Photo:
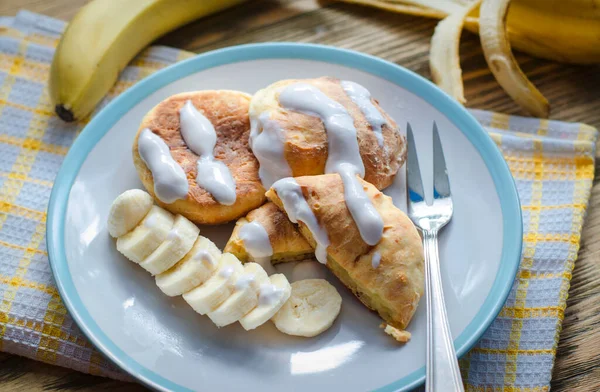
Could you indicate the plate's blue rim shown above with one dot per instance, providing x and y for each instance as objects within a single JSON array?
[{"x": 457, "y": 114}]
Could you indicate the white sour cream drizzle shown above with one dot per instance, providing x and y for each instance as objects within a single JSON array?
[
  {"x": 343, "y": 153},
  {"x": 362, "y": 98},
  {"x": 256, "y": 240},
  {"x": 365, "y": 215},
  {"x": 267, "y": 143},
  {"x": 200, "y": 136},
  {"x": 170, "y": 182},
  {"x": 298, "y": 209},
  {"x": 269, "y": 294},
  {"x": 376, "y": 259}
]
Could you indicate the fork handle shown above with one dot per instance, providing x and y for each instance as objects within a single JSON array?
[{"x": 443, "y": 373}]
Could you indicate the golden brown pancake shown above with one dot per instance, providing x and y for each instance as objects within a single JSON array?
[
  {"x": 305, "y": 147},
  {"x": 287, "y": 242},
  {"x": 393, "y": 288},
  {"x": 228, "y": 112}
]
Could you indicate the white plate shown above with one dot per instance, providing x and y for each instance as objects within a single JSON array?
[{"x": 162, "y": 342}]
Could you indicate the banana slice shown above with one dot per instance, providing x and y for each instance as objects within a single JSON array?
[
  {"x": 312, "y": 308},
  {"x": 147, "y": 236},
  {"x": 193, "y": 270},
  {"x": 128, "y": 209},
  {"x": 218, "y": 288},
  {"x": 179, "y": 241},
  {"x": 244, "y": 298},
  {"x": 272, "y": 296}
]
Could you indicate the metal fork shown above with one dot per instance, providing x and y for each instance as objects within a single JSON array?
[{"x": 443, "y": 373}]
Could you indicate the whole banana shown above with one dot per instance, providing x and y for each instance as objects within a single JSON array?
[{"x": 103, "y": 38}]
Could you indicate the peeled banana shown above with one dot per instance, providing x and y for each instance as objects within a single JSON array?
[
  {"x": 103, "y": 38},
  {"x": 562, "y": 30}
]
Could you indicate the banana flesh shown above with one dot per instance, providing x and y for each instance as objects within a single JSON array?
[
  {"x": 193, "y": 270},
  {"x": 178, "y": 243},
  {"x": 186, "y": 263},
  {"x": 244, "y": 299},
  {"x": 280, "y": 291},
  {"x": 218, "y": 288},
  {"x": 311, "y": 309},
  {"x": 127, "y": 211},
  {"x": 147, "y": 236},
  {"x": 103, "y": 37}
]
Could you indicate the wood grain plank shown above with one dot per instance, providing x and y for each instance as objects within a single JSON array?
[
  {"x": 577, "y": 366},
  {"x": 573, "y": 91},
  {"x": 21, "y": 374}
]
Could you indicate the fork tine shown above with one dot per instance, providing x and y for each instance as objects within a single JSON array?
[
  {"x": 441, "y": 185},
  {"x": 414, "y": 184}
]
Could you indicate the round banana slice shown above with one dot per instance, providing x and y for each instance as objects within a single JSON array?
[
  {"x": 272, "y": 296},
  {"x": 147, "y": 236},
  {"x": 128, "y": 209},
  {"x": 194, "y": 269},
  {"x": 311, "y": 309},
  {"x": 179, "y": 241},
  {"x": 244, "y": 297},
  {"x": 218, "y": 288}
]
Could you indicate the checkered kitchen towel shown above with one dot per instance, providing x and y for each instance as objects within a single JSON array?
[{"x": 552, "y": 162}]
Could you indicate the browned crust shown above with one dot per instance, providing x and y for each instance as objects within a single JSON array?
[
  {"x": 394, "y": 288},
  {"x": 287, "y": 242},
  {"x": 398, "y": 334},
  {"x": 228, "y": 112},
  {"x": 306, "y": 139}
]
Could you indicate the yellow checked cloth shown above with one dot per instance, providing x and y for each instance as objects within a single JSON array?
[
  {"x": 553, "y": 166},
  {"x": 552, "y": 162},
  {"x": 33, "y": 142}
]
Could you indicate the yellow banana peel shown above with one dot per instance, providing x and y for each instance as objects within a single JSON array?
[
  {"x": 444, "y": 59},
  {"x": 496, "y": 48}
]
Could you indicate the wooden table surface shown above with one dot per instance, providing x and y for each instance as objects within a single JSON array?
[{"x": 574, "y": 93}]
